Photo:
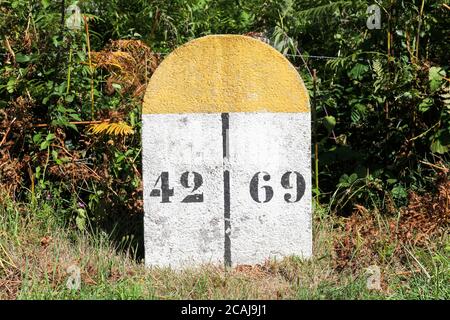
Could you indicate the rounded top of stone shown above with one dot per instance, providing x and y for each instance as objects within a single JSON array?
[{"x": 225, "y": 73}]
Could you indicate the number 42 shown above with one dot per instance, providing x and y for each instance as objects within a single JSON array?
[{"x": 165, "y": 192}]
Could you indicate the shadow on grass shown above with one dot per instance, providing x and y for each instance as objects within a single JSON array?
[{"x": 124, "y": 228}]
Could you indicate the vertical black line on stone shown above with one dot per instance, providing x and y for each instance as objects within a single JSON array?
[{"x": 226, "y": 187}]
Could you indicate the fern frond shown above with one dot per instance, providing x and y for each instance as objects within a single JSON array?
[
  {"x": 378, "y": 68},
  {"x": 120, "y": 128},
  {"x": 337, "y": 62},
  {"x": 322, "y": 11},
  {"x": 446, "y": 97},
  {"x": 98, "y": 128},
  {"x": 379, "y": 74},
  {"x": 116, "y": 129}
]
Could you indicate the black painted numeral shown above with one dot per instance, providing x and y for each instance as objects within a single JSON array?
[
  {"x": 198, "y": 181},
  {"x": 254, "y": 187},
  {"x": 259, "y": 190},
  {"x": 165, "y": 192},
  {"x": 300, "y": 183}
]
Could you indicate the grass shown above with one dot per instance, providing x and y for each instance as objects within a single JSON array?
[{"x": 36, "y": 250}]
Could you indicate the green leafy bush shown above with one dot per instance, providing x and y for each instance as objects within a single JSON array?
[{"x": 382, "y": 107}]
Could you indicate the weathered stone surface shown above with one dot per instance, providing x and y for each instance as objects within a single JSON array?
[
  {"x": 226, "y": 156},
  {"x": 225, "y": 73}
]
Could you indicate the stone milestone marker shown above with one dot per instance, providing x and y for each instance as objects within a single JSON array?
[{"x": 226, "y": 156}]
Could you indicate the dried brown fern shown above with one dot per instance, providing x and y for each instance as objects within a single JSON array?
[{"x": 130, "y": 64}]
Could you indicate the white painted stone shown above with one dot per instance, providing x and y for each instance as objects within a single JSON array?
[
  {"x": 274, "y": 143},
  {"x": 180, "y": 234}
]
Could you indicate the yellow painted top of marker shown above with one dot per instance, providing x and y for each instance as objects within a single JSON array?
[{"x": 225, "y": 73}]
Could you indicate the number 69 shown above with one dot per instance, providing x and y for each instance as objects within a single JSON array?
[{"x": 286, "y": 183}]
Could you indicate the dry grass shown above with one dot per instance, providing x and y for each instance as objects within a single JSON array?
[
  {"x": 367, "y": 236},
  {"x": 35, "y": 254}
]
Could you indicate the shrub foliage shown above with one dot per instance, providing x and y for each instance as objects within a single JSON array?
[{"x": 70, "y": 100}]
